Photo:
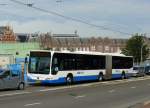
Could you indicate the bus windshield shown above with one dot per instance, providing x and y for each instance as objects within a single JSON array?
[{"x": 39, "y": 63}]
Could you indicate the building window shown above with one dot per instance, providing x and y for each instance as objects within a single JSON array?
[{"x": 106, "y": 48}]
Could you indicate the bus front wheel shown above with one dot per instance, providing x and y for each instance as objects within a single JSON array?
[
  {"x": 100, "y": 77},
  {"x": 69, "y": 79}
]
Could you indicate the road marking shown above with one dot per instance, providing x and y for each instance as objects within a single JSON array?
[
  {"x": 133, "y": 87},
  {"x": 66, "y": 87},
  {"x": 111, "y": 91},
  {"x": 81, "y": 85},
  {"x": 96, "y": 83},
  {"x": 104, "y": 82},
  {"x": 12, "y": 94},
  {"x": 81, "y": 96},
  {"x": 53, "y": 89},
  {"x": 27, "y": 105}
]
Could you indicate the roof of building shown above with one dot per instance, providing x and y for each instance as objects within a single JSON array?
[{"x": 65, "y": 35}]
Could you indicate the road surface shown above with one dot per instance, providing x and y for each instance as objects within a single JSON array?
[{"x": 110, "y": 94}]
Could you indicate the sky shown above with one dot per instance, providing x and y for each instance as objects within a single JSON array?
[{"x": 125, "y": 16}]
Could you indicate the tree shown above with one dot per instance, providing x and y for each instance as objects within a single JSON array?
[{"x": 135, "y": 46}]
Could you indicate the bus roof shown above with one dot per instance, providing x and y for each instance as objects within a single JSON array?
[{"x": 82, "y": 52}]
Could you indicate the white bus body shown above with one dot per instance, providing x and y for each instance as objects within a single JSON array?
[{"x": 48, "y": 67}]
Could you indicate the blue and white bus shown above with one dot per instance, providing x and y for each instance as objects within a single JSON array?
[{"x": 51, "y": 67}]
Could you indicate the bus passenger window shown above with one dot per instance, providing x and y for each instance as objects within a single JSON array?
[{"x": 61, "y": 67}]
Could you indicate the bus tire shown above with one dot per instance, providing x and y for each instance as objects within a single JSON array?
[
  {"x": 123, "y": 75},
  {"x": 100, "y": 77},
  {"x": 21, "y": 86},
  {"x": 69, "y": 79}
]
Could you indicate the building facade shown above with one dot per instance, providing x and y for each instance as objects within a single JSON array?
[
  {"x": 16, "y": 44},
  {"x": 74, "y": 43},
  {"x": 24, "y": 42}
]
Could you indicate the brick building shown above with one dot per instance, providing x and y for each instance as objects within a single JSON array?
[{"x": 7, "y": 34}]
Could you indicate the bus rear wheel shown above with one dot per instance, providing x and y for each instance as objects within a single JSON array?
[
  {"x": 123, "y": 76},
  {"x": 69, "y": 79}
]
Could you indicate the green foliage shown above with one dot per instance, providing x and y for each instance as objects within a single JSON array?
[{"x": 134, "y": 46}]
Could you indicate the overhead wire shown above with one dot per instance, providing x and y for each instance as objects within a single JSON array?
[{"x": 69, "y": 18}]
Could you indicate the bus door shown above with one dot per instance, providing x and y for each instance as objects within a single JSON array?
[{"x": 108, "y": 74}]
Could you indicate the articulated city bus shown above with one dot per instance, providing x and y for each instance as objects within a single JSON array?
[{"x": 48, "y": 67}]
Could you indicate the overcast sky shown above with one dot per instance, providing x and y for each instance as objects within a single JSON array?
[{"x": 129, "y": 16}]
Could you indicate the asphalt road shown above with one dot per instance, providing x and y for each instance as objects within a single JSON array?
[{"x": 110, "y": 94}]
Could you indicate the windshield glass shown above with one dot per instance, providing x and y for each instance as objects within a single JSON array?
[{"x": 39, "y": 64}]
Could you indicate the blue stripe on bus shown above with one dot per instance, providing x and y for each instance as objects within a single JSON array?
[
  {"x": 84, "y": 78},
  {"x": 116, "y": 76},
  {"x": 63, "y": 79},
  {"x": 59, "y": 81},
  {"x": 120, "y": 75}
]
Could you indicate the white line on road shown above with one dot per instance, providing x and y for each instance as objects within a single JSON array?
[
  {"x": 81, "y": 96},
  {"x": 12, "y": 94},
  {"x": 105, "y": 82},
  {"x": 27, "y": 105},
  {"x": 111, "y": 91},
  {"x": 53, "y": 89},
  {"x": 67, "y": 87},
  {"x": 133, "y": 87}
]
